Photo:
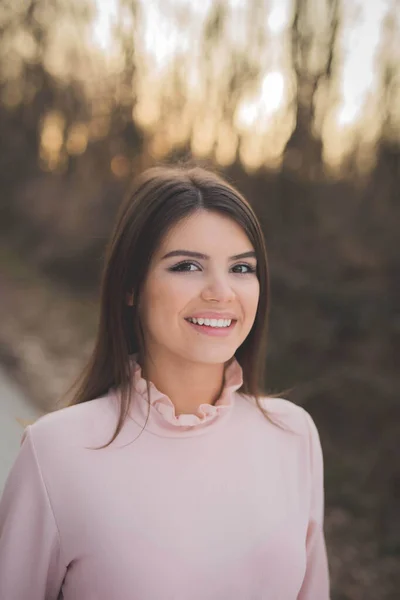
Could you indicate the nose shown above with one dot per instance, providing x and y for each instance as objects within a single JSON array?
[{"x": 218, "y": 289}]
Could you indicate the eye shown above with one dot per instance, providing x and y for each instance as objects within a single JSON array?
[
  {"x": 243, "y": 269},
  {"x": 184, "y": 266}
]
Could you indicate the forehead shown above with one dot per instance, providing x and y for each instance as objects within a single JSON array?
[{"x": 206, "y": 231}]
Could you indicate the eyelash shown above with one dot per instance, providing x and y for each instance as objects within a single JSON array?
[{"x": 177, "y": 269}]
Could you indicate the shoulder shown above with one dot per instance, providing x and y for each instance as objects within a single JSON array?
[
  {"x": 283, "y": 412},
  {"x": 75, "y": 426},
  {"x": 287, "y": 413},
  {"x": 296, "y": 419},
  {"x": 288, "y": 428},
  {"x": 284, "y": 417}
]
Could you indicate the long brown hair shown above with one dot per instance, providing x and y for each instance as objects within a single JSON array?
[{"x": 160, "y": 198}]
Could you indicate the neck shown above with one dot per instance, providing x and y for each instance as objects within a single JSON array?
[{"x": 187, "y": 384}]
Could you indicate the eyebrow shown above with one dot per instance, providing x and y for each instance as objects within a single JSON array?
[{"x": 199, "y": 255}]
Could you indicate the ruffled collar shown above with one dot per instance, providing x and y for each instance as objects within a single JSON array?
[{"x": 162, "y": 419}]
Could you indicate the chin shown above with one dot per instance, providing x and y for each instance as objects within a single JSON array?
[{"x": 216, "y": 356}]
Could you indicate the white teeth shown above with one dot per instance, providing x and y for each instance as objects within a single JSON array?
[{"x": 211, "y": 322}]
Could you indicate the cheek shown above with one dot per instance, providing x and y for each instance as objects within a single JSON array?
[
  {"x": 249, "y": 296},
  {"x": 165, "y": 298}
]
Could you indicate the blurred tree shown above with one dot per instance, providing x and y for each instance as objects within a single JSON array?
[
  {"x": 29, "y": 85},
  {"x": 313, "y": 39}
]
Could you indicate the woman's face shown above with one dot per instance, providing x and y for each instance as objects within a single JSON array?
[{"x": 204, "y": 271}]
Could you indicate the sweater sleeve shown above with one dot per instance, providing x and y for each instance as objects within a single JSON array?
[
  {"x": 30, "y": 553},
  {"x": 316, "y": 580}
]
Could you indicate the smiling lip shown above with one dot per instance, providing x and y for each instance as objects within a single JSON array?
[
  {"x": 213, "y": 331},
  {"x": 213, "y": 315}
]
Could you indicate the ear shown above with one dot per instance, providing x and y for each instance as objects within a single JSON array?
[{"x": 129, "y": 298}]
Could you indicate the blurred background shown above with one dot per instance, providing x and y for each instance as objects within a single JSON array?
[{"x": 297, "y": 103}]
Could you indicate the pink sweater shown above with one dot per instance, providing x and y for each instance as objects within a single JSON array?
[{"x": 222, "y": 505}]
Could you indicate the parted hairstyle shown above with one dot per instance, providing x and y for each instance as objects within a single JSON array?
[{"x": 159, "y": 199}]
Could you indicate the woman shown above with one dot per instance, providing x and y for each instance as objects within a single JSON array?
[{"x": 170, "y": 477}]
